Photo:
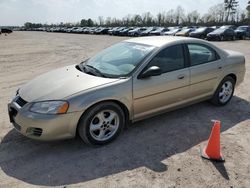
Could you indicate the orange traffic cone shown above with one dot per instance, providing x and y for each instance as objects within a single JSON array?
[{"x": 212, "y": 151}]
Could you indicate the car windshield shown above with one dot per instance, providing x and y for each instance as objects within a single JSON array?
[{"x": 119, "y": 60}]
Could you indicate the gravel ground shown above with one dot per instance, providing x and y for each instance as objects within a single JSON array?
[{"x": 163, "y": 151}]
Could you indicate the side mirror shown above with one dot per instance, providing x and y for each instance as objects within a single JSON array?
[{"x": 151, "y": 71}]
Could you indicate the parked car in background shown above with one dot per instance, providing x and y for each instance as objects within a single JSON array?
[
  {"x": 102, "y": 31},
  {"x": 111, "y": 30},
  {"x": 124, "y": 83},
  {"x": 147, "y": 31},
  {"x": 222, "y": 34},
  {"x": 118, "y": 30},
  {"x": 184, "y": 32},
  {"x": 79, "y": 30},
  {"x": 201, "y": 32},
  {"x": 137, "y": 31},
  {"x": 5, "y": 30},
  {"x": 172, "y": 32},
  {"x": 86, "y": 30},
  {"x": 159, "y": 31},
  {"x": 243, "y": 32},
  {"x": 125, "y": 31},
  {"x": 71, "y": 30}
]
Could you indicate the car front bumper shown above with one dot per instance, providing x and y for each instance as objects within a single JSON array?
[
  {"x": 213, "y": 37},
  {"x": 42, "y": 126}
]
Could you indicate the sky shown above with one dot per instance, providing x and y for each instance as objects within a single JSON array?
[{"x": 17, "y": 12}]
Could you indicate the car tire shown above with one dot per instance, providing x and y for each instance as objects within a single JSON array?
[
  {"x": 101, "y": 124},
  {"x": 222, "y": 38},
  {"x": 243, "y": 37},
  {"x": 224, "y": 92}
]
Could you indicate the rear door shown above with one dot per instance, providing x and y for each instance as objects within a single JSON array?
[{"x": 205, "y": 67}]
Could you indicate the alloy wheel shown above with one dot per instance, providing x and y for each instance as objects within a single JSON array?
[
  {"x": 104, "y": 125},
  {"x": 226, "y": 92}
]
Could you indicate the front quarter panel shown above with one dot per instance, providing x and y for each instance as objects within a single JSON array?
[{"x": 120, "y": 91}]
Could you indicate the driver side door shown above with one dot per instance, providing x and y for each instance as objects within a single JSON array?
[{"x": 154, "y": 94}]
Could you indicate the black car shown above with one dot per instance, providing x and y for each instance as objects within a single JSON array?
[
  {"x": 242, "y": 32},
  {"x": 201, "y": 32},
  {"x": 221, "y": 34},
  {"x": 5, "y": 30}
]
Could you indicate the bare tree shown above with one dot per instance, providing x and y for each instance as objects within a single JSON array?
[
  {"x": 179, "y": 15},
  {"x": 101, "y": 20},
  {"x": 147, "y": 19},
  {"x": 230, "y": 7},
  {"x": 248, "y": 10},
  {"x": 108, "y": 21},
  {"x": 217, "y": 13},
  {"x": 192, "y": 17},
  {"x": 161, "y": 18},
  {"x": 170, "y": 17}
]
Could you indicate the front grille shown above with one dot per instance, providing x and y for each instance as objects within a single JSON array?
[
  {"x": 34, "y": 131},
  {"x": 20, "y": 101}
]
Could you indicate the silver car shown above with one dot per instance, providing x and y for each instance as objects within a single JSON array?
[{"x": 127, "y": 82}]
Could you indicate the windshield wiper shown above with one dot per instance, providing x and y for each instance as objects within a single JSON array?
[{"x": 93, "y": 70}]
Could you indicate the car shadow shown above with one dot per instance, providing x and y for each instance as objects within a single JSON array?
[{"x": 144, "y": 144}]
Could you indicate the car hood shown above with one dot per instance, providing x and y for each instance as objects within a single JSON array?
[
  {"x": 181, "y": 33},
  {"x": 198, "y": 32},
  {"x": 171, "y": 32},
  {"x": 60, "y": 83}
]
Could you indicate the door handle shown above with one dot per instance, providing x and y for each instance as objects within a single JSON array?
[{"x": 181, "y": 76}]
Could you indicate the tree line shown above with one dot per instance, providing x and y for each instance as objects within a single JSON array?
[{"x": 227, "y": 12}]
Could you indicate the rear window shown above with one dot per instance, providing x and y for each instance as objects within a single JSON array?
[{"x": 201, "y": 54}]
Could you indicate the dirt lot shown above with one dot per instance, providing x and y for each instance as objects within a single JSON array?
[{"x": 159, "y": 152}]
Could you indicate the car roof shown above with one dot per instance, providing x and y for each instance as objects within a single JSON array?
[{"x": 159, "y": 41}]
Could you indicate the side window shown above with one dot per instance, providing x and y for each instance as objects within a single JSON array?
[
  {"x": 169, "y": 59},
  {"x": 200, "y": 54}
]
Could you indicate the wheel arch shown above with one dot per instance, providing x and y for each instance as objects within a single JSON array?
[
  {"x": 232, "y": 75},
  {"x": 120, "y": 104}
]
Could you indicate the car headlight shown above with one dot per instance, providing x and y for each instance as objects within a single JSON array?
[{"x": 50, "y": 107}]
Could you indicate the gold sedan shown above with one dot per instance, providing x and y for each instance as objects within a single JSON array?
[{"x": 127, "y": 82}]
